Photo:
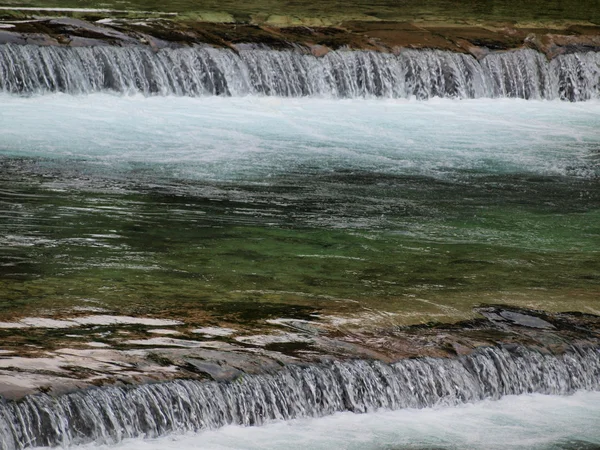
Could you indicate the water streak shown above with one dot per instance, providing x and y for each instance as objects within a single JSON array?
[
  {"x": 201, "y": 71},
  {"x": 111, "y": 414}
]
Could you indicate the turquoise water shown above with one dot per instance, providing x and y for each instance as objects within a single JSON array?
[
  {"x": 205, "y": 208},
  {"x": 254, "y": 139}
]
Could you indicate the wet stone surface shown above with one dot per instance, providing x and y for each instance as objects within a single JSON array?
[
  {"x": 387, "y": 36},
  {"x": 516, "y": 318},
  {"x": 273, "y": 346}
]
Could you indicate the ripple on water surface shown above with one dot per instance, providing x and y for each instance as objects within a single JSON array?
[{"x": 206, "y": 207}]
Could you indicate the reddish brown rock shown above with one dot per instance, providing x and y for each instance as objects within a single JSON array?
[{"x": 364, "y": 35}]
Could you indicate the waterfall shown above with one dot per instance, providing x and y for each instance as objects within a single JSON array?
[
  {"x": 110, "y": 414},
  {"x": 198, "y": 71}
]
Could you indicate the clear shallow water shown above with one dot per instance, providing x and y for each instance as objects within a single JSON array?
[
  {"x": 184, "y": 206},
  {"x": 515, "y": 422}
]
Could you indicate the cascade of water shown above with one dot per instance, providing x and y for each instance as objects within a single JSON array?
[
  {"x": 111, "y": 414},
  {"x": 208, "y": 71},
  {"x": 523, "y": 74},
  {"x": 577, "y": 76}
]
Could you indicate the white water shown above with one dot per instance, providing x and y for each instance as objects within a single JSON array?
[
  {"x": 203, "y": 71},
  {"x": 254, "y": 138},
  {"x": 112, "y": 414},
  {"x": 515, "y": 422}
]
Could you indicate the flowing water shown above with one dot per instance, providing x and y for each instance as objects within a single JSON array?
[
  {"x": 351, "y": 74},
  {"x": 517, "y": 422},
  {"x": 207, "y": 194},
  {"x": 108, "y": 415},
  {"x": 216, "y": 204}
]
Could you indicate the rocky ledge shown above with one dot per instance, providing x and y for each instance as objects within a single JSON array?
[
  {"x": 158, "y": 32},
  {"x": 126, "y": 350}
]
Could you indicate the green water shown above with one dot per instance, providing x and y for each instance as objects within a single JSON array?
[
  {"x": 236, "y": 211},
  {"x": 353, "y": 242}
]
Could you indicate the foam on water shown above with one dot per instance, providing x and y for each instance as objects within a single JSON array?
[
  {"x": 253, "y": 138},
  {"x": 515, "y": 422}
]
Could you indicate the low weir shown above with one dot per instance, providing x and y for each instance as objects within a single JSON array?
[
  {"x": 201, "y": 71},
  {"x": 110, "y": 414}
]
